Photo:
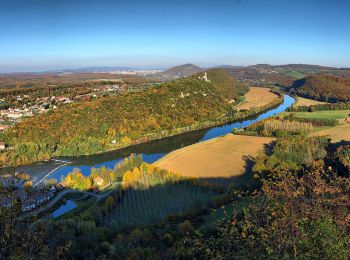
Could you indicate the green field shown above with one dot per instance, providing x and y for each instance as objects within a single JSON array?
[
  {"x": 295, "y": 74},
  {"x": 291, "y": 73},
  {"x": 151, "y": 206},
  {"x": 320, "y": 128},
  {"x": 330, "y": 114}
]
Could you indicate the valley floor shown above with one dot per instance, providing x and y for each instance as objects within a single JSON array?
[{"x": 222, "y": 157}]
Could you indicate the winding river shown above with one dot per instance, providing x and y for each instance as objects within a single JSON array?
[{"x": 151, "y": 151}]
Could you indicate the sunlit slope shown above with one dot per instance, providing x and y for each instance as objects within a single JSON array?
[
  {"x": 326, "y": 88},
  {"x": 91, "y": 126}
]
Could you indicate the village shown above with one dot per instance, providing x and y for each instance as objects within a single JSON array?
[
  {"x": 24, "y": 106},
  {"x": 28, "y": 108},
  {"x": 20, "y": 190}
]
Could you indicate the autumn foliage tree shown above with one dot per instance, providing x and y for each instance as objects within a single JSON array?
[{"x": 112, "y": 122}]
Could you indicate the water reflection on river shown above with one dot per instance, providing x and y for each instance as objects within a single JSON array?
[{"x": 151, "y": 151}]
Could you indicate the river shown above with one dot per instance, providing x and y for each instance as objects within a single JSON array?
[{"x": 151, "y": 151}]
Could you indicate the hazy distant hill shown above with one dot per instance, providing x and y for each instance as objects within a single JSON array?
[
  {"x": 182, "y": 70},
  {"x": 90, "y": 69},
  {"x": 328, "y": 88},
  {"x": 304, "y": 66},
  {"x": 226, "y": 67},
  {"x": 260, "y": 74}
]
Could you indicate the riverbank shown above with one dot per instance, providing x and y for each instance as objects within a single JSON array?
[
  {"x": 152, "y": 151},
  {"x": 237, "y": 116},
  {"x": 222, "y": 157}
]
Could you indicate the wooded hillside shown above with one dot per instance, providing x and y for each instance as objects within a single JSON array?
[
  {"x": 327, "y": 88},
  {"x": 97, "y": 125}
]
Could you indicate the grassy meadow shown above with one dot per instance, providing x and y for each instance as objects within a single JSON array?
[
  {"x": 219, "y": 158},
  {"x": 300, "y": 101},
  {"x": 337, "y": 133},
  {"x": 331, "y": 114},
  {"x": 291, "y": 73}
]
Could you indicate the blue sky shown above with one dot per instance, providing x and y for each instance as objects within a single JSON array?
[{"x": 49, "y": 34}]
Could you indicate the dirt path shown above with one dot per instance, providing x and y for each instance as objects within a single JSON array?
[{"x": 219, "y": 157}]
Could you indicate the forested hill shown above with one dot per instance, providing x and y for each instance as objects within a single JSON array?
[
  {"x": 323, "y": 87},
  {"x": 224, "y": 83},
  {"x": 97, "y": 125},
  {"x": 182, "y": 70}
]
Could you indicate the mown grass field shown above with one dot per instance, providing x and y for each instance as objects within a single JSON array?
[
  {"x": 291, "y": 73},
  {"x": 222, "y": 157},
  {"x": 257, "y": 97},
  {"x": 337, "y": 133},
  {"x": 151, "y": 206},
  {"x": 307, "y": 102},
  {"x": 330, "y": 114},
  {"x": 295, "y": 74}
]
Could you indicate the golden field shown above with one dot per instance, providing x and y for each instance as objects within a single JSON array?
[
  {"x": 257, "y": 97},
  {"x": 219, "y": 157}
]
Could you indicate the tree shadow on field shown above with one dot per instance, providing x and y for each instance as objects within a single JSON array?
[
  {"x": 268, "y": 148},
  {"x": 243, "y": 181},
  {"x": 336, "y": 145},
  {"x": 246, "y": 180}
]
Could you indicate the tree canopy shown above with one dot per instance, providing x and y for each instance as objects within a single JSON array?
[{"x": 105, "y": 123}]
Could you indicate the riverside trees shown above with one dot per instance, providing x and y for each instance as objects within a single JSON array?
[
  {"x": 105, "y": 123},
  {"x": 102, "y": 177},
  {"x": 327, "y": 88},
  {"x": 300, "y": 210}
]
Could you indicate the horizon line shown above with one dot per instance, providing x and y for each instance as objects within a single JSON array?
[{"x": 131, "y": 68}]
